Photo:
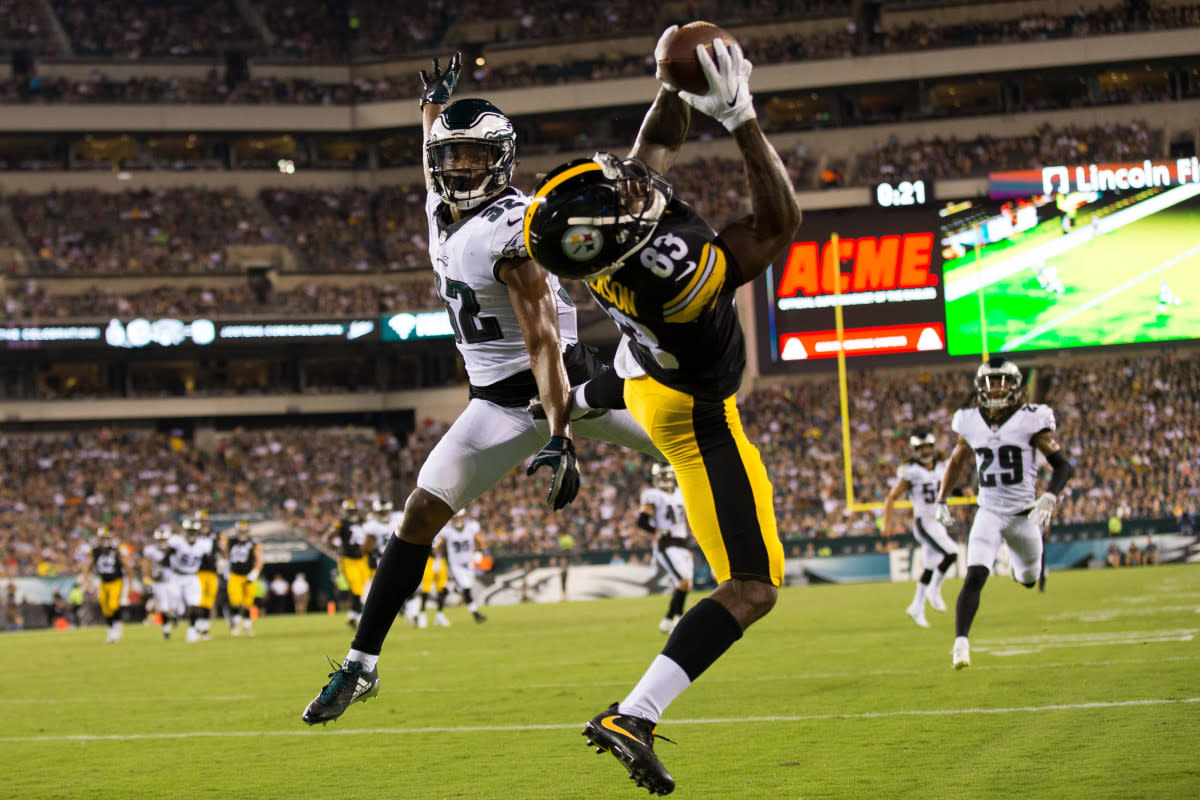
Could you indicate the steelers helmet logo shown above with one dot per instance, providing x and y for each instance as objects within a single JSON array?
[{"x": 582, "y": 242}]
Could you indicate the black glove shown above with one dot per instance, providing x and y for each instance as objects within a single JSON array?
[
  {"x": 440, "y": 85},
  {"x": 559, "y": 455}
]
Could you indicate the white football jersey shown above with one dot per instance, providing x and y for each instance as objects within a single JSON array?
[
  {"x": 156, "y": 556},
  {"x": 185, "y": 555},
  {"x": 924, "y": 483},
  {"x": 464, "y": 255},
  {"x": 378, "y": 529},
  {"x": 669, "y": 516},
  {"x": 1004, "y": 454},
  {"x": 460, "y": 545}
]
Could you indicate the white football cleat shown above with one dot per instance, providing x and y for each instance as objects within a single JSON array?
[
  {"x": 960, "y": 656},
  {"x": 441, "y": 621},
  {"x": 666, "y": 625},
  {"x": 422, "y": 621},
  {"x": 918, "y": 615},
  {"x": 936, "y": 602}
]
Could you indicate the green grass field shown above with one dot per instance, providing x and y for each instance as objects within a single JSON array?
[
  {"x": 1087, "y": 691},
  {"x": 1112, "y": 289}
]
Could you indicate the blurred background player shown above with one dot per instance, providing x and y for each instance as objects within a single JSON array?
[
  {"x": 210, "y": 583},
  {"x": 919, "y": 478},
  {"x": 156, "y": 571},
  {"x": 382, "y": 520},
  {"x": 459, "y": 539},
  {"x": 349, "y": 539},
  {"x": 1047, "y": 278},
  {"x": 187, "y": 551},
  {"x": 433, "y": 585},
  {"x": 245, "y": 565},
  {"x": 1004, "y": 434},
  {"x": 111, "y": 566},
  {"x": 662, "y": 514}
]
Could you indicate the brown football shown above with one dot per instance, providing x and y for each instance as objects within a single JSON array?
[{"x": 681, "y": 68}]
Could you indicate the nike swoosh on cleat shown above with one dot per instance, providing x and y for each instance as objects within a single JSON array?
[{"x": 607, "y": 722}]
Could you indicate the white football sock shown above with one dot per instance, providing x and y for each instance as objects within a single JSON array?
[
  {"x": 366, "y": 659},
  {"x": 660, "y": 685}
]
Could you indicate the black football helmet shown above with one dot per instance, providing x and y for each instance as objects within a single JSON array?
[
  {"x": 589, "y": 215},
  {"x": 923, "y": 442},
  {"x": 471, "y": 152},
  {"x": 998, "y": 384}
]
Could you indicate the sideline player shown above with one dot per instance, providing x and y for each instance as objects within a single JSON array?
[
  {"x": 382, "y": 520},
  {"x": 668, "y": 282},
  {"x": 210, "y": 583},
  {"x": 245, "y": 556},
  {"x": 111, "y": 566},
  {"x": 1004, "y": 434},
  {"x": 919, "y": 478},
  {"x": 662, "y": 513},
  {"x": 516, "y": 330}
]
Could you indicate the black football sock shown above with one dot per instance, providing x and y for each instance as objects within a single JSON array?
[
  {"x": 676, "y": 607},
  {"x": 926, "y": 577},
  {"x": 606, "y": 390},
  {"x": 968, "y": 600},
  {"x": 398, "y": 576},
  {"x": 701, "y": 636},
  {"x": 441, "y": 601}
]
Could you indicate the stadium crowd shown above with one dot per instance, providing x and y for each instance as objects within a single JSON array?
[
  {"x": 1125, "y": 423},
  {"x": 298, "y": 32},
  {"x": 348, "y": 229}
]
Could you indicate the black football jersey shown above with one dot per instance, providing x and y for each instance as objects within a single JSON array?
[
  {"x": 241, "y": 555},
  {"x": 674, "y": 300},
  {"x": 107, "y": 562}
]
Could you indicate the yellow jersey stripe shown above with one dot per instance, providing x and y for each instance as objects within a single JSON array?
[
  {"x": 701, "y": 291},
  {"x": 549, "y": 186}
]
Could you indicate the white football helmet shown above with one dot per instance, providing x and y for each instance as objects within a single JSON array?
[
  {"x": 663, "y": 476},
  {"x": 471, "y": 152},
  {"x": 998, "y": 384}
]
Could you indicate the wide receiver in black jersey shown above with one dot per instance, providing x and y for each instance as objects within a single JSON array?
[{"x": 668, "y": 281}]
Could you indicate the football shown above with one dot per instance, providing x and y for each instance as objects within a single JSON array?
[{"x": 680, "y": 67}]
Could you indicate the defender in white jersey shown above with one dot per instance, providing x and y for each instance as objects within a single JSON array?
[
  {"x": 1005, "y": 434},
  {"x": 919, "y": 479},
  {"x": 662, "y": 514},
  {"x": 515, "y": 328},
  {"x": 188, "y": 551},
  {"x": 459, "y": 540},
  {"x": 381, "y": 522},
  {"x": 157, "y": 572}
]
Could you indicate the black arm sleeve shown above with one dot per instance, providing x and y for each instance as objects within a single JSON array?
[
  {"x": 1062, "y": 472},
  {"x": 606, "y": 390},
  {"x": 644, "y": 522}
]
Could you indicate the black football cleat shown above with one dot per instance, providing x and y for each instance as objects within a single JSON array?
[
  {"x": 347, "y": 684},
  {"x": 631, "y": 741},
  {"x": 479, "y": 617}
]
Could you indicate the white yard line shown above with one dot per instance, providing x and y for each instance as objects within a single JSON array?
[{"x": 944, "y": 712}]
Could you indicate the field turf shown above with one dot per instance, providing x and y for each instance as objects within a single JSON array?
[{"x": 1087, "y": 691}]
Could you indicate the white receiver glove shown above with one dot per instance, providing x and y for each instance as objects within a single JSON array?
[
  {"x": 1042, "y": 509},
  {"x": 941, "y": 512},
  {"x": 728, "y": 99},
  {"x": 660, "y": 54}
]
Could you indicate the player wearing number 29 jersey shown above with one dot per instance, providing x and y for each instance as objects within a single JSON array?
[{"x": 1004, "y": 434}]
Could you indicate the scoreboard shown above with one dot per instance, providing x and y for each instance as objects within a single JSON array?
[{"x": 1062, "y": 257}]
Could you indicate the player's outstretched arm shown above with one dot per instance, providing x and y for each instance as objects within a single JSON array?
[
  {"x": 956, "y": 472},
  {"x": 754, "y": 241},
  {"x": 665, "y": 125},
  {"x": 1062, "y": 471},
  {"x": 437, "y": 87}
]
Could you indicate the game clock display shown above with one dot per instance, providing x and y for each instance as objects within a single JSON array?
[{"x": 901, "y": 194}]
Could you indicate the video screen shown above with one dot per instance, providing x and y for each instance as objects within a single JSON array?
[{"x": 1080, "y": 269}]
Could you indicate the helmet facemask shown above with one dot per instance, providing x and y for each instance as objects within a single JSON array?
[
  {"x": 663, "y": 476},
  {"x": 923, "y": 443},
  {"x": 471, "y": 153},
  {"x": 998, "y": 384}
]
